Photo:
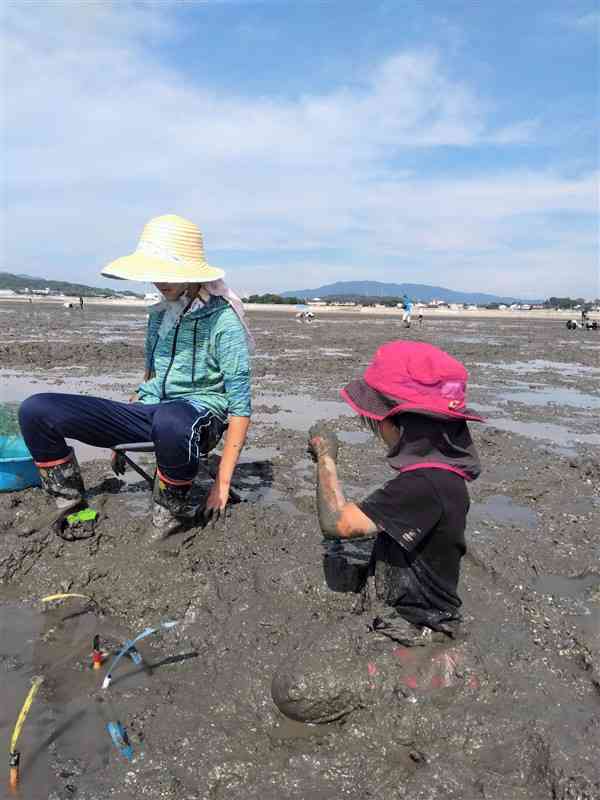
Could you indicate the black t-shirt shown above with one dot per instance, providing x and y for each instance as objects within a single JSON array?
[{"x": 425, "y": 512}]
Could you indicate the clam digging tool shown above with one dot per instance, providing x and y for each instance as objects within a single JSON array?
[
  {"x": 14, "y": 755},
  {"x": 129, "y": 645}
]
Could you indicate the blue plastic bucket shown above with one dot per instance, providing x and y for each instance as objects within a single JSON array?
[{"x": 17, "y": 470}]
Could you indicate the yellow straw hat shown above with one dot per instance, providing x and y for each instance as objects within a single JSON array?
[{"x": 170, "y": 250}]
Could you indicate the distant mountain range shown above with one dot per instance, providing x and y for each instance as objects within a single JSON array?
[
  {"x": 20, "y": 282},
  {"x": 416, "y": 291}
]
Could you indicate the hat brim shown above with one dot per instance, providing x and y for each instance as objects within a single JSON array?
[
  {"x": 141, "y": 267},
  {"x": 370, "y": 403}
]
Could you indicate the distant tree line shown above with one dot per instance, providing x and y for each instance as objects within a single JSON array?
[
  {"x": 273, "y": 299},
  {"x": 19, "y": 283},
  {"x": 569, "y": 302},
  {"x": 277, "y": 299},
  {"x": 392, "y": 302}
]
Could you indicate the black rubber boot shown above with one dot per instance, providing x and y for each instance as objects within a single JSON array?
[
  {"x": 63, "y": 481},
  {"x": 173, "y": 509}
]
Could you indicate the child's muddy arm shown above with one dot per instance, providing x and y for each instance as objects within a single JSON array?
[
  {"x": 337, "y": 518},
  {"x": 330, "y": 498}
]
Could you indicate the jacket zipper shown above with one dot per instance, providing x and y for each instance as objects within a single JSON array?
[
  {"x": 194, "y": 353},
  {"x": 164, "y": 386}
]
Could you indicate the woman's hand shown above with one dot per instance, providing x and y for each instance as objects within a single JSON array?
[
  {"x": 232, "y": 446},
  {"x": 134, "y": 398},
  {"x": 216, "y": 501}
]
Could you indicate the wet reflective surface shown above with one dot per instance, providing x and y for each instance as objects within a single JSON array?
[{"x": 502, "y": 510}]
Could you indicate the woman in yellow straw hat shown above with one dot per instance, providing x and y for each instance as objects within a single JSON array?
[{"x": 196, "y": 383}]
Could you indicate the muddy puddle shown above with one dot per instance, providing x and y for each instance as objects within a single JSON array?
[
  {"x": 64, "y": 735},
  {"x": 560, "y": 435},
  {"x": 298, "y": 412},
  {"x": 499, "y": 510},
  {"x": 16, "y": 387},
  {"x": 558, "y": 396},
  {"x": 487, "y": 340},
  {"x": 543, "y": 365},
  {"x": 579, "y": 598}
]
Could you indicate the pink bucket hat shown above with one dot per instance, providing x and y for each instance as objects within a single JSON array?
[{"x": 411, "y": 377}]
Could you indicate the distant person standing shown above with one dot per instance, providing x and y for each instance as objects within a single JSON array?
[
  {"x": 408, "y": 307},
  {"x": 81, "y": 303},
  {"x": 420, "y": 319}
]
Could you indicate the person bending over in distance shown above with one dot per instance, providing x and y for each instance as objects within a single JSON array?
[
  {"x": 412, "y": 396},
  {"x": 196, "y": 384}
]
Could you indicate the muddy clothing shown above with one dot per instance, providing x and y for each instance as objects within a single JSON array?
[
  {"x": 203, "y": 359},
  {"x": 181, "y": 433},
  {"x": 415, "y": 564}
]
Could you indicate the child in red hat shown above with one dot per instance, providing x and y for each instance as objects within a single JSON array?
[{"x": 412, "y": 395}]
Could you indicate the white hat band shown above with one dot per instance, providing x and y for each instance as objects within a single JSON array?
[{"x": 158, "y": 251}]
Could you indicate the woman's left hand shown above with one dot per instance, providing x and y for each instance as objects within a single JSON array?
[{"x": 216, "y": 501}]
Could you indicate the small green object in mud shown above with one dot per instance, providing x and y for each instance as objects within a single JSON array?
[{"x": 85, "y": 515}]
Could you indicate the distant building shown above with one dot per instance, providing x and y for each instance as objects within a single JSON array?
[
  {"x": 45, "y": 291},
  {"x": 7, "y": 293}
]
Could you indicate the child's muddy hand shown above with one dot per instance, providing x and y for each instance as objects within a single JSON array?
[{"x": 322, "y": 442}]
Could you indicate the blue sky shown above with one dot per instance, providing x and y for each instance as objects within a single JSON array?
[{"x": 450, "y": 143}]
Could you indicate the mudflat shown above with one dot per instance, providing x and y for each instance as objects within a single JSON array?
[{"x": 512, "y": 711}]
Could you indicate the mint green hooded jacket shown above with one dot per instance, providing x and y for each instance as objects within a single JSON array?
[{"x": 204, "y": 359}]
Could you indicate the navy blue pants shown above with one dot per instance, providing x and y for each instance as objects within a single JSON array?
[{"x": 181, "y": 433}]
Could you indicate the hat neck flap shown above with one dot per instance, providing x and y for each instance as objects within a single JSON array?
[{"x": 427, "y": 442}]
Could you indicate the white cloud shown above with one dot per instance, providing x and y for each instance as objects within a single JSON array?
[{"x": 100, "y": 136}]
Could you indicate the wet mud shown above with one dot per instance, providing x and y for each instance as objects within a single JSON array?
[{"x": 511, "y": 709}]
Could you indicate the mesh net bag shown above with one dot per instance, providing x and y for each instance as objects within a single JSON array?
[{"x": 9, "y": 420}]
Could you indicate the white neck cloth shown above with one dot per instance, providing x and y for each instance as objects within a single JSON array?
[{"x": 174, "y": 309}]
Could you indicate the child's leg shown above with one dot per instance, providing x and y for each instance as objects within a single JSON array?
[{"x": 47, "y": 419}]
